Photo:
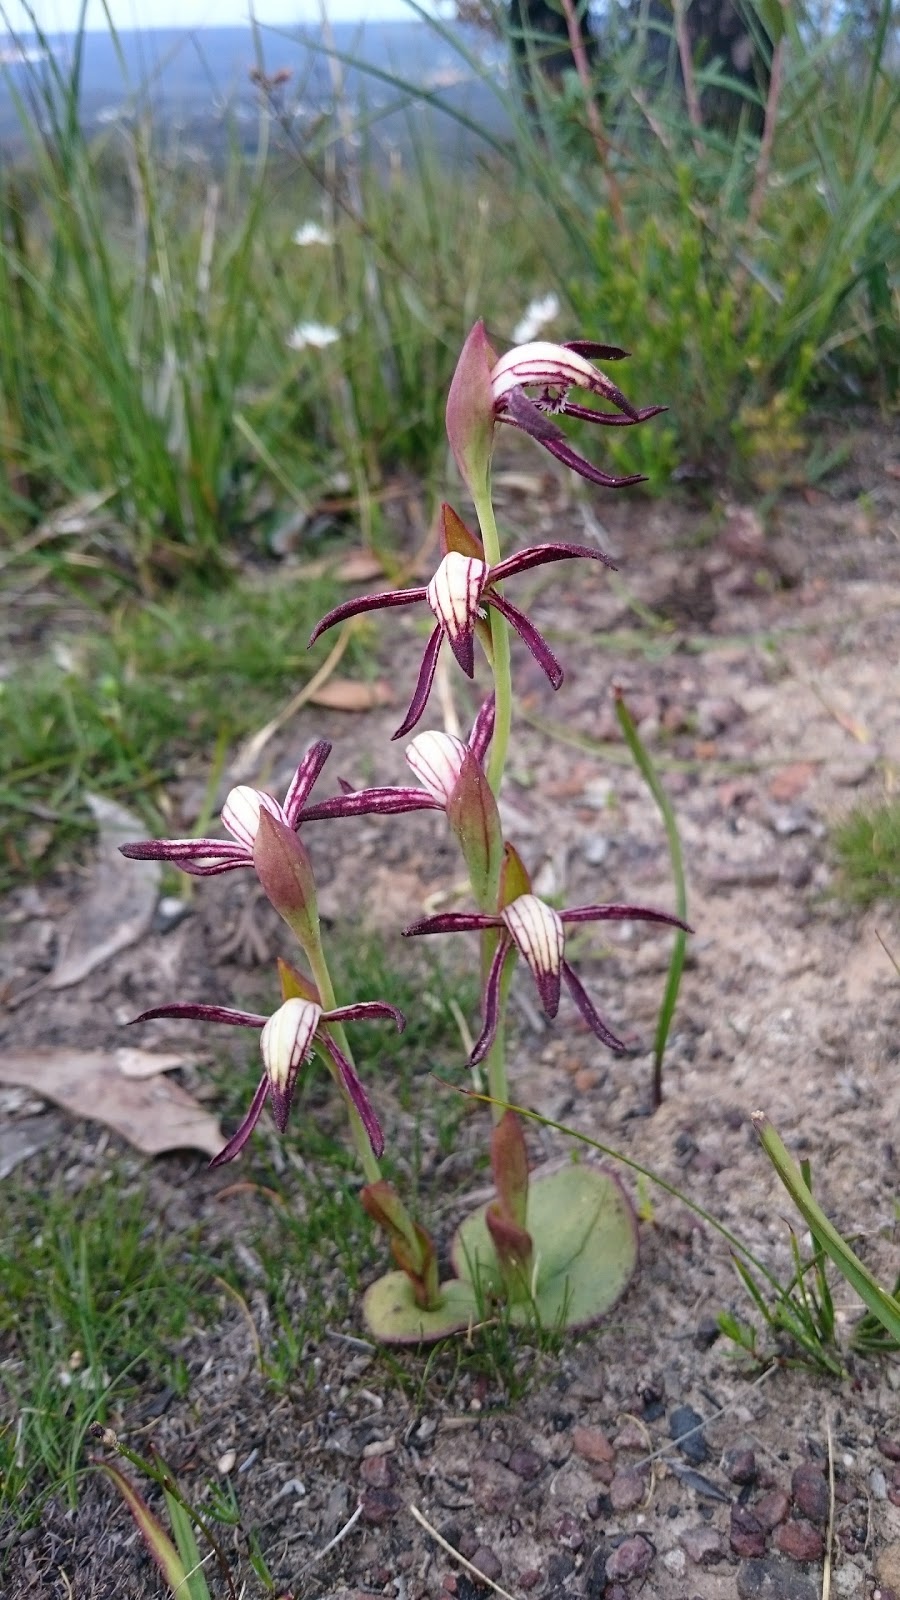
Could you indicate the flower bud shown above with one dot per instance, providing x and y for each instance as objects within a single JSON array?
[
  {"x": 284, "y": 870},
  {"x": 473, "y": 816},
  {"x": 470, "y": 411}
]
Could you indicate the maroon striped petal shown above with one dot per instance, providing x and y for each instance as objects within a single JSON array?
[
  {"x": 368, "y": 602},
  {"x": 453, "y": 922},
  {"x": 187, "y": 850},
  {"x": 529, "y": 635},
  {"x": 589, "y": 1011},
  {"x": 236, "y": 1019},
  {"x": 366, "y": 1011},
  {"x": 537, "y": 555},
  {"x": 482, "y": 730},
  {"x": 362, "y": 802},
  {"x": 490, "y": 1003},
  {"x": 423, "y": 687},
  {"x": 612, "y": 419},
  {"x": 621, "y": 913},
  {"x": 571, "y": 458},
  {"x": 596, "y": 352},
  {"x": 239, "y": 1138},
  {"x": 304, "y": 779},
  {"x": 356, "y": 1093}
]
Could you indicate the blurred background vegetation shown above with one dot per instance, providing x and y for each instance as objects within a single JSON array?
[{"x": 209, "y": 357}]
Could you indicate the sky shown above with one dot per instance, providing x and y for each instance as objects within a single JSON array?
[{"x": 61, "y": 16}]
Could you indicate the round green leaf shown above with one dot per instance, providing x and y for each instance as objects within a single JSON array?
[
  {"x": 392, "y": 1315},
  {"x": 584, "y": 1232}
]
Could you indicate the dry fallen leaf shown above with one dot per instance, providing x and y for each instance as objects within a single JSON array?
[
  {"x": 348, "y": 694},
  {"x": 360, "y": 566},
  {"x": 118, "y": 905},
  {"x": 152, "y": 1113}
]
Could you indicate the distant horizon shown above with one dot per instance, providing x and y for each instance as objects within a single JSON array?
[{"x": 146, "y": 16}]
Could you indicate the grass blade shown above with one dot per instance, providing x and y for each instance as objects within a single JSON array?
[
  {"x": 676, "y": 965},
  {"x": 882, "y": 1305}
]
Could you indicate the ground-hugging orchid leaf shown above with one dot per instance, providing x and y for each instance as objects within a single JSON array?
[
  {"x": 393, "y": 1317},
  {"x": 584, "y": 1233},
  {"x": 151, "y": 1112}
]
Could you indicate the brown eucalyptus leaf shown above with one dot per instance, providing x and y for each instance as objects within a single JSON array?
[
  {"x": 117, "y": 907},
  {"x": 152, "y": 1113},
  {"x": 348, "y": 694}
]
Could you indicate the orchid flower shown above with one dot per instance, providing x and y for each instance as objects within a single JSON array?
[
  {"x": 288, "y": 1039},
  {"x": 463, "y": 585},
  {"x": 204, "y": 858},
  {"x": 437, "y": 759},
  {"x": 538, "y": 933},
  {"x": 486, "y": 390}
]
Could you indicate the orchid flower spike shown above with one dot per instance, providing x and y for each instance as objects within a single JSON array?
[
  {"x": 485, "y": 390},
  {"x": 288, "y": 1039},
  {"x": 538, "y": 933},
  {"x": 205, "y": 858},
  {"x": 463, "y": 585}
]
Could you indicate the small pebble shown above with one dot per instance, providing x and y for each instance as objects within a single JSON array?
[
  {"x": 631, "y": 1437},
  {"x": 708, "y": 1331},
  {"x": 878, "y": 1484},
  {"x": 526, "y": 1464},
  {"x": 772, "y": 1509},
  {"x": 226, "y": 1462},
  {"x": 703, "y": 1545},
  {"x": 739, "y": 1466},
  {"x": 747, "y": 1535},
  {"x": 627, "y": 1491},
  {"x": 380, "y": 1505},
  {"x": 888, "y": 1447},
  {"x": 633, "y": 1558},
  {"x": 377, "y": 1471},
  {"x": 487, "y": 1562},
  {"x": 530, "y": 1578},
  {"x": 686, "y": 1428},
  {"x": 809, "y": 1491},
  {"x": 774, "y": 1579},
  {"x": 800, "y": 1540},
  {"x": 567, "y": 1530},
  {"x": 591, "y": 1444},
  {"x": 675, "y": 1562}
]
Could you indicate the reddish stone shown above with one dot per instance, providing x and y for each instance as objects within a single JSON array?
[
  {"x": 380, "y": 1505},
  {"x": 740, "y": 1466},
  {"x": 633, "y": 1558},
  {"x": 772, "y": 1509},
  {"x": 809, "y": 1491},
  {"x": 603, "y": 1472},
  {"x": 530, "y": 1578},
  {"x": 894, "y": 1496},
  {"x": 800, "y": 1540},
  {"x": 747, "y": 1534},
  {"x": 627, "y": 1491},
  {"x": 591, "y": 1444},
  {"x": 377, "y": 1472},
  {"x": 888, "y": 1447}
]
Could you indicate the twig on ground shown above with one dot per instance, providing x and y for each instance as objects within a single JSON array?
[{"x": 480, "y": 1576}]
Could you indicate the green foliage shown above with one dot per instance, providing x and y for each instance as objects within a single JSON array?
[
  {"x": 867, "y": 844},
  {"x": 116, "y": 709},
  {"x": 94, "y": 1306}
]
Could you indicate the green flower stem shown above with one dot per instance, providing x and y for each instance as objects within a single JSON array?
[
  {"x": 500, "y": 642},
  {"x": 316, "y": 957}
]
